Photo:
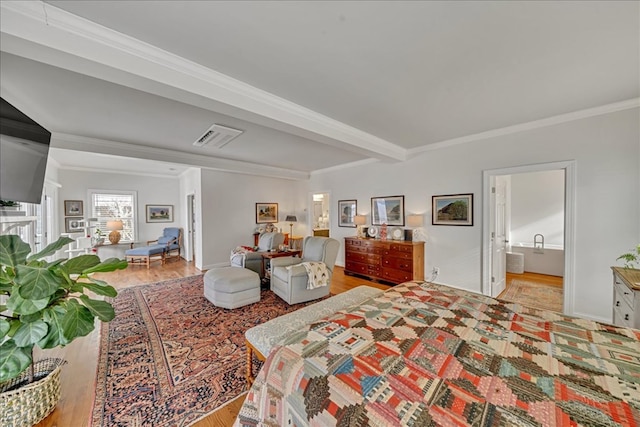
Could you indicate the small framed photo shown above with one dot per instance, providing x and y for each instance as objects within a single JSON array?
[
  {"x": 387, "y": 210},
  {"x": 73, "y": 208},
  {"x": 347, "y": 211},
  {"x": 159, "y": 213},
  {"x": 73, "y": 225},
  {"x": 266, "y": 212},
  {"x": 452, "y": 209}
]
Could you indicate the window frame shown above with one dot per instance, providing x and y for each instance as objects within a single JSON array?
[{"x": 134, "y": 212}]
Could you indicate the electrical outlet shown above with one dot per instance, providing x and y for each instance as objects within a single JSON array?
[{"x": 436, "y": 270}]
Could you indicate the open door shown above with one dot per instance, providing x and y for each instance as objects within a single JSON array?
[{"x": 498, "y": 232}]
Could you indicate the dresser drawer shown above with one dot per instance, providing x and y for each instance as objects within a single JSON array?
[
  {"x": 623, "y": 316},
  {"x": 401, "y": 248},
  {"x": 622, "y": 292},
  {"x": 398, "y": 254},
  {"x": 364, "y": 258},
  {"x": 396, "y": 276},
  {"x": 398, "y": 263}
]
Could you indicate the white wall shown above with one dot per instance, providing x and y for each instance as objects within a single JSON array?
[
  {"x": 606, "y": 151},
  {"x": 151, "y": 190},
  {"x": 537, "y": 207},
  {"x": 228, "y": 210}
]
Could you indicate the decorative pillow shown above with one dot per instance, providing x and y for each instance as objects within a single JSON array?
[{"x": 164, "y": 240}]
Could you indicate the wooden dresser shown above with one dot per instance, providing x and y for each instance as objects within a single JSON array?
[
  {"x": 626, "y": 297},
  {"x": 387, "y": 260}
]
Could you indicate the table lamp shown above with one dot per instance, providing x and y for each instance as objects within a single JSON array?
[
  {"x": 291, "y": 219},
  {"x": 115, "y": 226},
  {"x": 418, "y": 234},
  {"x": 359, "y": 221}
]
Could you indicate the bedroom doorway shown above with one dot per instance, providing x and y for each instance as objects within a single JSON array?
[
  {"x": 320, "y": 214},
  {"x": 501, "y": 236}
]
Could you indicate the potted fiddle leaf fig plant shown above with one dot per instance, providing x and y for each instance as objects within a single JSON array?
[{"x": 46, "y": 304}]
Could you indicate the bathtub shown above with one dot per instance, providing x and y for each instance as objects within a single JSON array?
[{"x": 549, "y": 260}]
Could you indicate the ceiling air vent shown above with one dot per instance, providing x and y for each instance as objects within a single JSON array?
[{"x": 217, "y": 135}]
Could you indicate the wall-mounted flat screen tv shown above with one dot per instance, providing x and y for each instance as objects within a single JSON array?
[{"x": 24, "y": 148}]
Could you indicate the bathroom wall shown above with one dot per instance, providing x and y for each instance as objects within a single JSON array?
[{"x": 537, "y": 207}]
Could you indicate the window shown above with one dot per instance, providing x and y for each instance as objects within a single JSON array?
[{"x": 108, "y": 205}]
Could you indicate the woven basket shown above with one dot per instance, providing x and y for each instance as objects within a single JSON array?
[{"x": 30, "y": 404}]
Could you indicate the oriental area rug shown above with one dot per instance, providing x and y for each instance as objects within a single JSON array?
[
  {"x": 532, "y": 294},
  {"x": 170, "y": 356}
]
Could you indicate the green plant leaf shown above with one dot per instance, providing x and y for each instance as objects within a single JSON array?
[
  {"x": 101, "y": 309},
  {"x": 28, "y": 318},
  {"x": 36, "y": 283},
  {"x": 5, "y": 278},
  {"x": 30, "y": 333},
  {"x": 55, "y": 337},
  {"x": 4, "y": 328},
  {"x": 111, "y": 264},
  {"x": 79, "y": 264},
  {"x": 19, "y": 305},
  {"x": 51, "y": 248},
  {"x": 77, "y": 322},
  {"x": 13, "y": 251},
  {"x": 13, "y": 360},
  {"x": 100, "y": 288}
]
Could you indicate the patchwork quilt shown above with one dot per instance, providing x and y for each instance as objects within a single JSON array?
[{"x": 429, "y": 355}]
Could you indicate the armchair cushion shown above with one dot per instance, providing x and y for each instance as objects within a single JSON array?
[{"x": 269, "y": 241}]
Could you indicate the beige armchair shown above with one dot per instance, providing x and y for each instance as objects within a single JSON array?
[
  {"x": 267, "y": 242},
  {"x": 290, "y": 284}
]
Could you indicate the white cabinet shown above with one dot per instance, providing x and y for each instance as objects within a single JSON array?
[{"x": 626, "y": 297}]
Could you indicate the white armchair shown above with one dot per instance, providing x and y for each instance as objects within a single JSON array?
[
  {"x": 290, "y": 284},
  {"x": 266, "y": 242}
]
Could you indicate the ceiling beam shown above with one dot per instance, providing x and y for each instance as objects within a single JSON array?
[
  {"x": 94, "y": 50},
  {"x": 122, "y": 149}
]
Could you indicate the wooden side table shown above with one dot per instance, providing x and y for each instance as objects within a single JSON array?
[{"x": 267, "y": 256}]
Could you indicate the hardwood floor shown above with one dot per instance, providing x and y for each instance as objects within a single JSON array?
[{"x": 78, "y": 376}]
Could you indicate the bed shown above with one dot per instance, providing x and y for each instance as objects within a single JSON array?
[{"x": 423, "y": 354}]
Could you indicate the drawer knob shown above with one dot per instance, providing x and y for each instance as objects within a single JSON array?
[
  {"x": 626, "y": 316},
  {"x": 626, "y": 293}
]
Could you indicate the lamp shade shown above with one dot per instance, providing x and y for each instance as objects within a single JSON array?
[
  {"x": 360, "y": 220},
  {"x": 415, "y": 220},
  {"x": 115, "y": 224},
  {"x": 291, "y": 218}
]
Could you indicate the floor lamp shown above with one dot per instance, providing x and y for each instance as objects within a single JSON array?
[{"x": 291, "y": 219}]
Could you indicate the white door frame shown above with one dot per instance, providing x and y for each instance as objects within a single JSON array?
[
  {"x": 569, "y": 224},
  {"x": 191, "y": 229},
  {"x": 310, "y": 216}
]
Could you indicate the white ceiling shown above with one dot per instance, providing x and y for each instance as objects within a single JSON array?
[{"x": 313, "y": 84}]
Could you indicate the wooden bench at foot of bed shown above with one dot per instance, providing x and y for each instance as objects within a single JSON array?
[{"x": 261, "y": 339}]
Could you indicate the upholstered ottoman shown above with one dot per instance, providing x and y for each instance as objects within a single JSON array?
[
  {"x": 231, "y": 287},
  {"x": 145, "y": 254}
]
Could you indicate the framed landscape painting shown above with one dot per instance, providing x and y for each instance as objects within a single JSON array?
[
  {"x": 387, "y": 210},
  {"x": 452, "y": 209},
  {"x": 266, "y": 212},
  {"x": 159, "y": 213},
  {"x": 347, "y": 211}
]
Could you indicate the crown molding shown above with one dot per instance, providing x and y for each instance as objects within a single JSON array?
[
  {"x": 49, "y": 26},
  {"x": 95, "y": 170},
  {"x": 121, "y": 149},
  {"x": 536, "y": 124}
]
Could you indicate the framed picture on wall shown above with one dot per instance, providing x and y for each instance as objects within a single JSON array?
[
  {"x": 73, "y": 208},
  {"x": 452, "y": 209},
  {"x": 73, "y": 225},
  {"x": 159, "y": 213},
  {"x": 387, "y": 210},
  {"x": 266, "y": 212},
  {"x": 347, "y": 211}
]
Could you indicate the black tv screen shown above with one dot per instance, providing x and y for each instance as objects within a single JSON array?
[{"x": 24, "y": 148}]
